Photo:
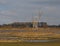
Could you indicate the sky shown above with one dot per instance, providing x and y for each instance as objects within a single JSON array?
[{"x": 23, "y": 10}]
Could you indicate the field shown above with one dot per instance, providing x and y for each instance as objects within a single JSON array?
[
  {"x": 29, "y": 32},
  {"x": 31, "y": 44}
]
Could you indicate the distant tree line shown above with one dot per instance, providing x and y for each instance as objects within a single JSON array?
[{"x": 27, "y": 24}]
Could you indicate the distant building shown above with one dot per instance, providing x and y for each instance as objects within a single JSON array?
[{"x": 42, "y": 24}]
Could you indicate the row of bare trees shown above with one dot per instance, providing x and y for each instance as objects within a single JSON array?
[{"x": 27, "y": 24}]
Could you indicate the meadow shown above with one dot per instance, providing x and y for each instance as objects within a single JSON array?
[
  {"x": 28, "y": 33},
  {"x": 30, "y": 44}
]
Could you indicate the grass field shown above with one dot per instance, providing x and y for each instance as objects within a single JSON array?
[{"x": 31, "y": 44}]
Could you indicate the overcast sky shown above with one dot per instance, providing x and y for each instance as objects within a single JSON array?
[{"x": 23, "y": 10}]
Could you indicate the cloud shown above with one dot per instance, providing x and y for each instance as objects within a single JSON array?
[
  {"x": 7, "y": 12},
  {"x": 3, "y": 1},
  {"x": 22, "y": 10}
]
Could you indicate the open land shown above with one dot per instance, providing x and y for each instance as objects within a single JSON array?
[
  {"x": 15, "y": 34},
  {"x": 30, "y": 44}
]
